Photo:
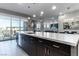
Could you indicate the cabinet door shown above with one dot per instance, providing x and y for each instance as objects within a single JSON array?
[
  {"x": 57, "y": 49},
  {"x": 41, "y": 51},
  {"x": 33, "y": 46},
  {"x": 26, "y": 45},
  {"x": 41, "y": 48},
  {"x": 29, "y": 45},
  {"x": 55, "y": 52},
  {"x": 24, "y": 38},
  {"x": 32, "y": 50}
]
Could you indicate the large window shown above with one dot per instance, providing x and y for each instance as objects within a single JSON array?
[
  {"x": 9, "y": 25},
  {"x": 4, "y": 27}
]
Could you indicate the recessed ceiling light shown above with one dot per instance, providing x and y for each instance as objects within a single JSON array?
[
  {"x": 34, "y": 15},
  {"x": 54, "y": 7},
  {"x": 28, "y": 17},
  {"x": 42, "y": 12}
]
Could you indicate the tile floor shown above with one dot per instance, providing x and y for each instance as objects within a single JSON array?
[{"x": 10, "y": 48}]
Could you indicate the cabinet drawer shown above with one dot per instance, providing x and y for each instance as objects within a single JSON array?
[
  {"x": 43, "y": 41},
  {"x": 61, "y": 47}
]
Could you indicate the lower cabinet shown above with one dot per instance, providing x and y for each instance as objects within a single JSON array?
[
  {"x": 41, "y": 50},
  {"x": 55, "y": 52},
  {"x": 41, "y": 47},
  {"x": 33, "y": 48},
  {"x": 28, "y": 44},
  {"x": 57, "y": 49}
]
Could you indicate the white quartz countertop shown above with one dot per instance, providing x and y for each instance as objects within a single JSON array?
[{"x": 69, "y": 39}]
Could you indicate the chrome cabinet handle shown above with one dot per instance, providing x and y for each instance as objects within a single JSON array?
[{"x": 56, "y": 46}]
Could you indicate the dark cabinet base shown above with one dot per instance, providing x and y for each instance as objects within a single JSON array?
[{"x": 41, "y": 47}]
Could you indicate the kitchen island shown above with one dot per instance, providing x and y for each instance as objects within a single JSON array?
[{"x": 48, "y": 44}]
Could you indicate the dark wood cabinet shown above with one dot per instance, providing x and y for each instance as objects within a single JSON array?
[
  {"x": 29, "y": 44},
  {"x": 40, "y": 47},
  {"x": 33, "y": 46},
  {"x": 53, "y": 51},
  {"x": 25, "y": 43},
  {"x": 41, "y": 51},
  {"x": 58, "y": 49}
]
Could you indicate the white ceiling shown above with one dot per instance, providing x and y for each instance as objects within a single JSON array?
[{"x": 36, "y": 8}]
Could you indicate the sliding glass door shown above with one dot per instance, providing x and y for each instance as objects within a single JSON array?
[
  {"x": 4, "y": 28},
  {"x": 9, "y": 26},
  {"x": 15, "y": 27}
]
